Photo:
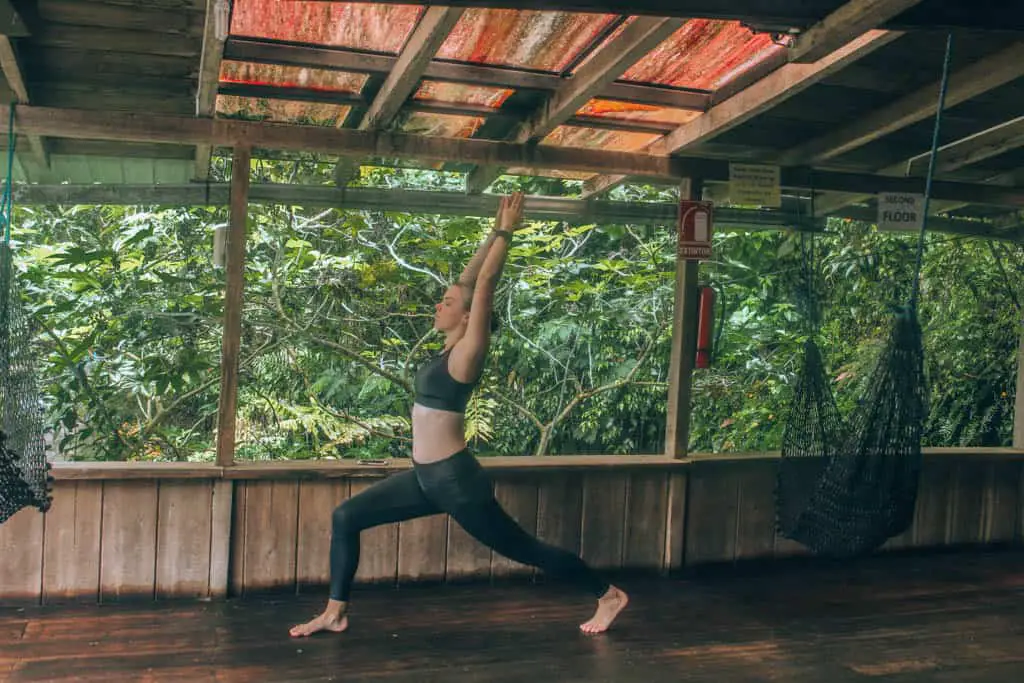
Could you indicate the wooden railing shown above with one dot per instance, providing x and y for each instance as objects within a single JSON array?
[{"x": 180, "y": 530}]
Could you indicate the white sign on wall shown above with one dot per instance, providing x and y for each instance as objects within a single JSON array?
[{"x": 900, "y": 211}]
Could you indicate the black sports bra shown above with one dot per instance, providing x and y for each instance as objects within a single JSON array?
[{"x": 436, "y": 388}]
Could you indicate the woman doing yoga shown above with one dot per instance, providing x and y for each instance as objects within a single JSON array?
[{"x": 445, "y": 477}]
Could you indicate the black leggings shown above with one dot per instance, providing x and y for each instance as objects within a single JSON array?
[{"x": 458, "y": 486}]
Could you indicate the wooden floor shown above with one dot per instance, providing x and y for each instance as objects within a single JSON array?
[{"x": 942, "y": 619}]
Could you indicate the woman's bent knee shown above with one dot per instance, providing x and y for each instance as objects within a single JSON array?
[{"x": 343, "y": 519}]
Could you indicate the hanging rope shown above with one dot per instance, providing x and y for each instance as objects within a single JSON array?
[
  {"x": 846, "y": 490},
  {"x": 24, "y": 471}
]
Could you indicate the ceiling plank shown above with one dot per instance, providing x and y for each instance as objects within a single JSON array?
[
  {"x": 602, "y": 67},
  {"x": 853, "y": 19},
  {"x": 214, "y": 37},
  {"x": 980, "y": 77},
  {"x": 405, "y": 75},
  {"x": 760, "y": 97}
]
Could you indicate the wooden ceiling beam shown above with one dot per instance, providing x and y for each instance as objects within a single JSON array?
[
  {"x": 760, "y": 97},
  {"x": 12, "y": 72},
  {"x": 142, "y": 127},
  {"x": 431, "y": 31},
  {"x": 980, "y": 77},
  {"x": 215, "y": 32},
  {"x": 972, "y": 149},
  {"x": 853, "y": 19},
  {"x": 600, "y": 69}
]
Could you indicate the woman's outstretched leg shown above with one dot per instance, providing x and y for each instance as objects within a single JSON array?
[
  {"x": 395, "y": 499},
  {"x": 486, "y": 521}
]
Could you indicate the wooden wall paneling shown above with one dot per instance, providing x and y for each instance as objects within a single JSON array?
[
  {"x": 183, "y": 538},
  {"x": 378, "y": 555},
  {"x": 604, "y": 519},
  {"x": 128, "y": 539},
  {"x": 932, "y": 515},
  {"x": 807, "y": 472},
  {"x": 21, "y": 557},
  {"x": 1002, "y": 501},
  {"x": 675, "y": 530},
  {"x": 468, "y": 559},
  {"x": 271, "y": 531},
  {"x": 422, "y": 549},
  {"x": 646, "y": 520},
  {"x": 968, "y": 501},
  {"x": 221, "y": 537},
  {"x": 712, "y": 513},
  {"x": 71, "y": 553},
  {"x": 517, "y": 495},
  {"x": 755, "y": 504},
  {"x": 317, "y": 501},
  {"x": 560, "y": 509},
  {"x": 236, "y": 566}
]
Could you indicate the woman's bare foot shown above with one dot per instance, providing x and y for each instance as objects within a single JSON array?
[
  {"x": 608, "y": 607},
  {"x": 333, "y": 619}
]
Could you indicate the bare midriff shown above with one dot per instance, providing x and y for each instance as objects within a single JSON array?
[{"x": 436, "y": 434}]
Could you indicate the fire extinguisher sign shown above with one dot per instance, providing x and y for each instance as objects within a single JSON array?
[{"x": 695, "y": 228}]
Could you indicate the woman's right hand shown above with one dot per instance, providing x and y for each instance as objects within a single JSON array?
[{"x": 510, "y": 212}]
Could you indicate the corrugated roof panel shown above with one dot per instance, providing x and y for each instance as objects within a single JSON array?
[
  {"x": 291, "y": 76},
  {"x": 459, "y": 93},
  {"x": 443, "y": 125},
  {"x": 284, "y": 111},
  {"x": 629, "y": 111},
  {"x": 704, "y": 54},
  {"x": 529, "y": 39},
  {"x": 600, "y": 138},
  {"x": 354, "y": 25}
]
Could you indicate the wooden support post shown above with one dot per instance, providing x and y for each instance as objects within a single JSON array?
[
  {"x": 1018, "y": 405},
  {"x": 231, "y": 343},
  {"x": 684, "y": 345}
]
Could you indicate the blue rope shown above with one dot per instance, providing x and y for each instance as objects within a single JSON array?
[{"x": 931, "y": 171}]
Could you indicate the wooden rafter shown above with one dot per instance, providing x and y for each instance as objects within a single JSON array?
[
  {"x": 980, "y": 77},
  {"x": 605, "y": 65},
  {"x": 760, "y": 97},
  {"x": 426, "y": 39},
  {"x": 209, "y": 76},
  {"x": 247, "y": 49},
  {"x": 16, "y": 81},
  {"x": 986, "y": 144},
  {"x": 153, "y": 128},
  {"x": 843, "y": 25}
]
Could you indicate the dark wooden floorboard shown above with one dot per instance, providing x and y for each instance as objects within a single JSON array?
[{"x": 941, "y": 619}]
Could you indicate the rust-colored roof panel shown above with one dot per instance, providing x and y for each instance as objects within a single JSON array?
[
  {"x": 704, "y": 54},
  {"x": 599, "y": 138},
  {"x": 354, "y": 25},
  {"x": 443, "y": 125},
  {"x": 283, "y": 111},
  {"x": 459, "y": 93},
  {"x": 629, "y": 111},
  {"x": 291, "y": 77},
  {"x": 529, "y": 39}
]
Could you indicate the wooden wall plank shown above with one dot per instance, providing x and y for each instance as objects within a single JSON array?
[
  {"x": 422, "y": 549},
  {"x": 712, "y": 514},
  {"x": 755, "y": 505},
  {"x": 378, "y": 555},
  {"x": 604, "y": 519},
  {"x": 931, "y": 517},
  {"x": 804, "y": 472},
  {"x": 517, "y": 495},
  {"x": 646, "y": 519},
  {"x": 271, "y": 530},
  {"x": 221, "y": 537},
  {"x": 236, "y": 566},
  {"x": 1002, "y": 501},
  {"x": 21, "y": 557},
  {"x": 468, "y": 559},
  {"x": 317, "y": 501},
  {"x": 128, "y": 541},
  {"x": 968, "y": 502},
  {"x": 71, "y": 555},
  {"x": 560, "y": 509},
  {"x": 183, "y": 539},
  {"x": 675, "y": 530}
]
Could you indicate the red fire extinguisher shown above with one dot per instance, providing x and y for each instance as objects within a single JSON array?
[{"x": 705, "y": 324}]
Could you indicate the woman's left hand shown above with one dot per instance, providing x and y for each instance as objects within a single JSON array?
[{"x": 510, "y": 213}]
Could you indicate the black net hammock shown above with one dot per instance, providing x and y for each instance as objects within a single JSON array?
[
  {"x": 844, "y": 488},
  {"x": 24, "y": 471}
]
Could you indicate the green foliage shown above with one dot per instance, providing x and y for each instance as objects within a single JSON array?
[{"x": 338, "y": 314}]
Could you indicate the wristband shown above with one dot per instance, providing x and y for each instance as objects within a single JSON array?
[{"x": 503, "y": 233}]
